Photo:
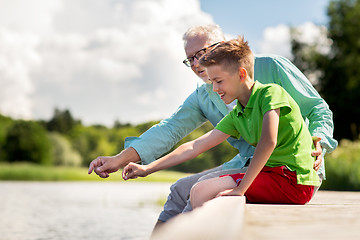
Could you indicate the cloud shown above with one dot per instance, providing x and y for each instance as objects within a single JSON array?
[
  {"x": 276, "y": 40},
  {"x": 33, "y": 16},
  {"x": 103, "y": 60},
  {"x": 17, "y": 58},
  {"x": 314, "y": 35}
]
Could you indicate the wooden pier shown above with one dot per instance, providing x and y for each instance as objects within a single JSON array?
[{"x": 329, "y": 215}]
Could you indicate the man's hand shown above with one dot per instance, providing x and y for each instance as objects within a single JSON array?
[
  {"x": 317, "y": 153},
  {"x": 133, "y": 170},
  {"x": 103, "y": 166}
]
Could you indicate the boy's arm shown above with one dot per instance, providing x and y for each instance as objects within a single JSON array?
[
  {"x": 183, "y": 153},
  {"x": 264, "y": 149}
]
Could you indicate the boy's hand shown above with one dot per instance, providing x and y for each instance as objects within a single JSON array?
[
  {"x": 229, "y": 192},
  {"x": 133, "y": 170},
  {"x": 317, "y": 153}
]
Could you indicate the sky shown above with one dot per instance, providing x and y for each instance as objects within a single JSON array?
[{"x": 108, "y": 60}]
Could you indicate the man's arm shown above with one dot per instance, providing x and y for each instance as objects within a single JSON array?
[
  {"x": 280, "y": 70},
  {"x": 155, "y": 141},
  {"x": 312, "y": 105},
  {"x": 160, "y": 138},
  {"x": 183, "y": 153}
]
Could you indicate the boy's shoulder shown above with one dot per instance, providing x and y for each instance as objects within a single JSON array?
[
  {"x": 271, "y": 90},
  {"x": 268, "y": 86}
]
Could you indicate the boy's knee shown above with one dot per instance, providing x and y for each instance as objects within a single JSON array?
[{"x": 196, "y": 195}]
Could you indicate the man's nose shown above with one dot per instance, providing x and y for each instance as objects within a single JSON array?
[{"x": 196, "y": 62}]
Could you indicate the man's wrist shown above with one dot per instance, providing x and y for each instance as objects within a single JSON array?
[{"x": 126, "y": 156}]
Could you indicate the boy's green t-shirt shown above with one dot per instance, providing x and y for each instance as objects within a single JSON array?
[{"x": 294, "y": 143}]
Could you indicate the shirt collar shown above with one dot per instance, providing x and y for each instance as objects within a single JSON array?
[{"x": 239, "y": 109}]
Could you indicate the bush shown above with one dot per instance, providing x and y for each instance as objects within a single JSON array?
[
  {"x": 343, "y": 167},
  {"x": 27, "y": 141},
  {"x": 62, "y": 151}
]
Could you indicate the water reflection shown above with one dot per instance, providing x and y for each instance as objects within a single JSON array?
[{"x": 100, "y": 210}]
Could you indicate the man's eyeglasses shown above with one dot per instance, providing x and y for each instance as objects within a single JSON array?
[{"x": 190, "y": 60}]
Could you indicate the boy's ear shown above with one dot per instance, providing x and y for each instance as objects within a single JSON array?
[{"x": 242, "y": 73}]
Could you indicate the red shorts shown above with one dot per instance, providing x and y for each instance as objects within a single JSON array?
[{"x": 275, "y": 185}]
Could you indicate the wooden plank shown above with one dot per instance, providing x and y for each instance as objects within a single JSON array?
[{"x": 220, "y": 218}]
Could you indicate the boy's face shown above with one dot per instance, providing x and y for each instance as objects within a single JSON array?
[{"x": 225, "y": 83}]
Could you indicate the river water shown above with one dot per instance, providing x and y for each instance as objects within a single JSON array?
[{"x": 79, "y": 210}]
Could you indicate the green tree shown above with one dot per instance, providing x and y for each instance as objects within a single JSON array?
[
  {"x": 92, "y": 142},
  {"x": 339, "y": 81},
  {"x": 5, "y": 123},
  {"x": 28, "y": 141},
  {"x": 62, "y": 122}
]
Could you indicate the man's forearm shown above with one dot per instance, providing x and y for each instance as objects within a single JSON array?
[{"x": 126, "y": 156}]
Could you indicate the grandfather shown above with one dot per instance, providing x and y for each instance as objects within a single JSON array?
[{"x": 204, "y": 104}]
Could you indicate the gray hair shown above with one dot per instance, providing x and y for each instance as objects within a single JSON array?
[{"x": 213, "y": 33}]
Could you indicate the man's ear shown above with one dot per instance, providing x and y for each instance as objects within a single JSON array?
[{"x": 242, "y": 74}]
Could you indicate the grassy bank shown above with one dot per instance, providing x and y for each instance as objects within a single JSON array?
[
  {"x": 33, "y": 172},
  {"x": 343, "y": 167}
]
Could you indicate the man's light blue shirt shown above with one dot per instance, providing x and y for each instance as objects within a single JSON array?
[{"x": 204, "y": 104}]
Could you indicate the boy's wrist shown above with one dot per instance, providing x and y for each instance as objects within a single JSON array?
[
  {"x": 239, "y": 191},
  {"x": 148, "y": 169}
]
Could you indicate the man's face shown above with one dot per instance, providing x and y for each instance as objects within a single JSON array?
[{"x": 192, "y": 47}]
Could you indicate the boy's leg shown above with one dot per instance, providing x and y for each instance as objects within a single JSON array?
[
  {"x": 222, "y": 172},
  {"x": 216, "y": 174},
  {"x": 278, "y": 185},
  {"x": 208, "y": 189},
  {"x": 179, "y": 194}
]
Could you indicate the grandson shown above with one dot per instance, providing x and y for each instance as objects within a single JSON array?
[{"x": 281, "y": 170}]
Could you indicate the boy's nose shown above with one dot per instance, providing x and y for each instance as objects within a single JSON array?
[{"x": 215, "y": 88}]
